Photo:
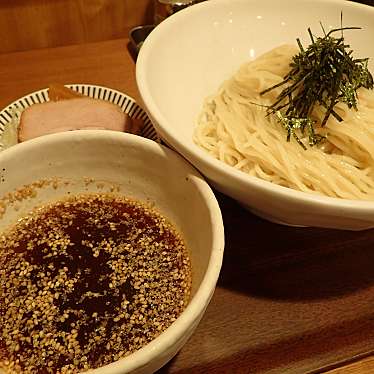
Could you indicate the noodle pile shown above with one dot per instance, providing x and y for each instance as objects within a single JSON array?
[{"x": 236, "y": 131}]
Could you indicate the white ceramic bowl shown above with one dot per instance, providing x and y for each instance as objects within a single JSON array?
[
  {"x": 141, "y": 169},
  {"x": 189, "y": 55}
]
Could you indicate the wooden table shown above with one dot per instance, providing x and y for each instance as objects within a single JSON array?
[{"x": 289, "y": 300}]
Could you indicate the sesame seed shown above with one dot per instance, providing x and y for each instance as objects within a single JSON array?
[{"x": 86, "y": 281}]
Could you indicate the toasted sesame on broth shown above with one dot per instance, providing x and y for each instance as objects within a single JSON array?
[{"x": 86, "y": 281}]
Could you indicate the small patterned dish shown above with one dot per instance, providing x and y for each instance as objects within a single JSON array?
[{"x": 9, "y": 116}]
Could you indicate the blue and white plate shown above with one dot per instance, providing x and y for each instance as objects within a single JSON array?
[{"x": 9, "y": 116}]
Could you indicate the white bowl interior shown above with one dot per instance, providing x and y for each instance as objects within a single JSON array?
[
  {"x": 97, "y": 161},
  {"x": 200, "y": 47},
  {"x": 188, "y": 56}
]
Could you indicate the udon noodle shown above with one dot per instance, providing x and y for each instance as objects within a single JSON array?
[{"x": 235, "y": 130}]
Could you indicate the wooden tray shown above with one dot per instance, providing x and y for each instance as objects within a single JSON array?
[{"x": 289, "y": 300}]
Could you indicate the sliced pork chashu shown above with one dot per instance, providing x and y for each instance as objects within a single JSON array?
[{"x": 73, "y": 114}]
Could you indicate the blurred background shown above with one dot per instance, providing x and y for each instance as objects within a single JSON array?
[{"x": 31, "y": 24}]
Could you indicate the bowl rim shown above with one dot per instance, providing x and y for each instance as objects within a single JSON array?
[
  {"x": 198, "y": 156},
  {"x": 197, "y": 305}
]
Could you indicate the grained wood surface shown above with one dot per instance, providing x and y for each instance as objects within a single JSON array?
[
  {"x": 289, "y": 300},
  {"x": 364, "y": 366},
  {"x": 30, "y": 24}
]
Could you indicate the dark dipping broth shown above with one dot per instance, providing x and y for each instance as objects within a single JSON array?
[{"x": 87, "y": 281}]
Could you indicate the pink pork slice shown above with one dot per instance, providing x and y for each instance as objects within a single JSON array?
[{"x": 74, "y": 114}]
